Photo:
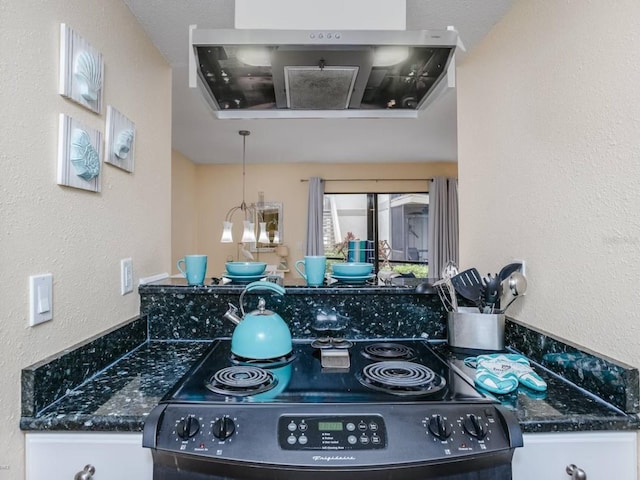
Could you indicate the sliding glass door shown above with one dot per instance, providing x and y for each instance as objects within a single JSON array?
[{"x": 396, "y": 222}]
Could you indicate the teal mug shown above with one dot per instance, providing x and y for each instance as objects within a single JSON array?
[
  {"x": 314, "y": 268},
  {"x": 195, "y": 268}
]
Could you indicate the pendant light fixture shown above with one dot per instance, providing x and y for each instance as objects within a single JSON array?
[{"x": 250, "y": 211}]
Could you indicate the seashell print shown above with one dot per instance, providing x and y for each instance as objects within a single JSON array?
[
  {"x": 84, "y": 158},
  {"x": 123, "y": 144},
  {"x": 88, "y": 75}
]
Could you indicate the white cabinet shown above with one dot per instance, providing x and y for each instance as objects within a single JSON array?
[
  {"x": 59, "y": 456},
  {"x": 602, "y": 456}
]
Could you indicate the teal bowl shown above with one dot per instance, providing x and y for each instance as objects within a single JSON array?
[
  {"x": 352, "y": 269},
  {"x": 247, "y": 269}
]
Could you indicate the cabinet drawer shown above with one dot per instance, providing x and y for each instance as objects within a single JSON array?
[
  {"x": 602, "y": 455},
  {"x": 60, "y": 456}
]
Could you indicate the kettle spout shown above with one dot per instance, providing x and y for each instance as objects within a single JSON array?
[{"x": 232, "y": 314}]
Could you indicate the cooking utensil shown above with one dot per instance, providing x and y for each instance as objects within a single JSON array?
[
  {"x": 469, "y": 285},
  {"x": 260, "y": 334},
  {"x": 450, "y": 269},
  {"x": 518, "y": 283},
  {"x": 491, "y": 294},
  {"x": 508, "y": 270},
  {"x": 447, "y": 294},
  {"x": 513, "y": 287}
]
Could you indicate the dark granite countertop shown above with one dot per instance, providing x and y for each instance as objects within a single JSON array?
[
  {"x": 119, "y": 397},
  {"x": 564, "y": 407}
]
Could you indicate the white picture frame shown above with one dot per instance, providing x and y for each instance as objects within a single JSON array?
[
  {"x": 79, "y": 155},
  {"x": 119, "y": 140},
  {"x": 81, "y": 70}
]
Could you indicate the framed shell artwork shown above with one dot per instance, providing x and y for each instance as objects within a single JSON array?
[
  {"x": 119, "y": 140},
  {"x": 81, "y": 70},
  {"x": 79, "y": 149}
]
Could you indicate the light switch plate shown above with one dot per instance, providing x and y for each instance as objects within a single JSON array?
[
  {"x": 40, "y": 299},
  {"x": 126, "y": 276}
]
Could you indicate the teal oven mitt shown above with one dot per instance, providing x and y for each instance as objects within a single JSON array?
[{"x": 502, "y": 372}]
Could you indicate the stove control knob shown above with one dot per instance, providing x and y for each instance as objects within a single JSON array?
[
  {"x": 223, "y": 428},
  {"x": 439, "y": 427},
  {"x": 187, "y": 427},
  {"x": 475, "y": 427}
]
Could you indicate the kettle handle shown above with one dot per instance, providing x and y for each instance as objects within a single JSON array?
[
  {"x": 274, "y": 287},
  {"x": 259, "y": 286}
]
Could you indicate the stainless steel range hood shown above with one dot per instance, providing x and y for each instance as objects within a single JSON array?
[{"x": 304, "y": 73}]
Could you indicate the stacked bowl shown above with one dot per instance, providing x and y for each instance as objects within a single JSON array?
[
  {"x": 352, "y": 272},
  {"x": 245, "y": 271}
]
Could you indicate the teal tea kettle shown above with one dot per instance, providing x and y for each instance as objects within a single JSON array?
[{"x": 260, "y": 334}]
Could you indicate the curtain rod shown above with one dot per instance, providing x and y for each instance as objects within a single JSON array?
[{"x": 372, "y": 179}]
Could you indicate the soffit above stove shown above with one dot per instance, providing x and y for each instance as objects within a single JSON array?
[{"x": 316, "y": 74}]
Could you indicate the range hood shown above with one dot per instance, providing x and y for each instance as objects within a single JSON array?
[{"x": 314, "y": 73}]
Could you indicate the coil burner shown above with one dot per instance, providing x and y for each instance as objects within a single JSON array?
[
  {"x": 241, "y": 380},
  {"x": 263, "y": 362},
  {"x": 388, "y": 351},
  {"x": 401, "y": 378}
]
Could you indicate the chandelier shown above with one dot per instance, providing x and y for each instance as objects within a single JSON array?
[{"x": 250, "y": 212}]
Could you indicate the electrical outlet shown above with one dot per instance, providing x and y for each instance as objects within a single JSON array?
[
  {"x": 126, "y": 276},
  {"x": 40, "y": 299}
]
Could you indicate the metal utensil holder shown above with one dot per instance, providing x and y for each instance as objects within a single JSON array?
[{"x": 468, "y": 329}]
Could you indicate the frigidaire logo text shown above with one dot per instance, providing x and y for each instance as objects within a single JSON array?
[{"x": 332, "y": 458}]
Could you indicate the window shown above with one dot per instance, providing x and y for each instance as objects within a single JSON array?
[{"x": 396, "y": 222}]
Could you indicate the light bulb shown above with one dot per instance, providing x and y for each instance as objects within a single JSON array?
[
  {"x": 390, "y": 55},
  {"x": 263, "y": 237},
  {"x": 227, "y": 236},
  {"x": 249, "y": 232},
  {"x": 254, "y": 56}
]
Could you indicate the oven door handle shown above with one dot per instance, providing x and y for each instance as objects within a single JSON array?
[{"x": 149, "y": 434}]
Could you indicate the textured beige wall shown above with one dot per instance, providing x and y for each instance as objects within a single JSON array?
[
  {"x": 549, "y": 160},
  {"x": 184, "y": 207},
  {"x": 219, "y": 188},
  {"x": 77, "y": 236}
]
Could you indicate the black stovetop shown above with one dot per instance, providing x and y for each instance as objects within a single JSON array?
[{"x": 304, "y": 380}]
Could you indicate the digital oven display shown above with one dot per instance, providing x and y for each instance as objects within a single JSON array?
[
  {"x": 332, "y": 433},
  {"x": 330, "y": 426}
]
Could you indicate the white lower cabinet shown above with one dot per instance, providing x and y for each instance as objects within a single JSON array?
[
  {"x": 113, "y": 456},
  {"x": 600, "y": 455}
]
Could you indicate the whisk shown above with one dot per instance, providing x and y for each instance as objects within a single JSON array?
[{"x": 447, "y": 294}]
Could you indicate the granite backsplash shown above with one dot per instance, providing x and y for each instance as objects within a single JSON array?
[
  {"x": 50, "y": 379},
  {"x": 179, "y": 312}
]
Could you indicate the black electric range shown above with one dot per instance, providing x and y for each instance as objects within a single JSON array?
[{"x": 375, "y": 409}]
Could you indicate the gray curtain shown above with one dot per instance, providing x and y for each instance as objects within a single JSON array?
[
  {"x": 315, "y": 244},
  {"x": 444, "y": 243}
]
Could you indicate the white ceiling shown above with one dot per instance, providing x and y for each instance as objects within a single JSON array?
[{"x": 198, "y": 135}]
